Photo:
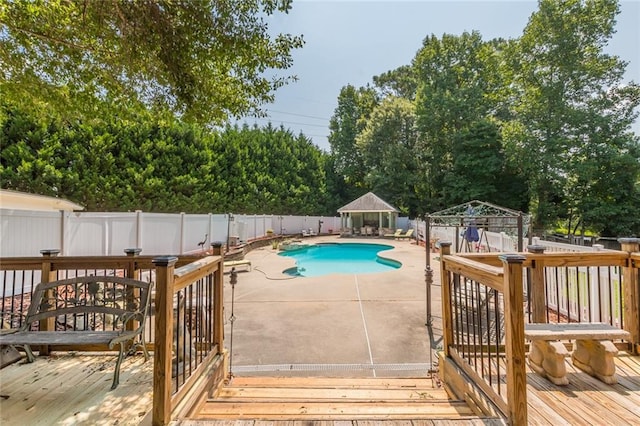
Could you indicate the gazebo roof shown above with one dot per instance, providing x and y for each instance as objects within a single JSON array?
[{"x": 369, "y": 202}]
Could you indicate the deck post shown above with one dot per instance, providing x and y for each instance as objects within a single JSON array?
[
  {"x": 132, "y": 272},
  {"x": 165, "y": 267},
  {"x": 538, "y": 295},
  {"x": 445, "y": 282},
  {"x": 218, "y": 298},
  {"x": 48, "y": 274},
  {"x": 631, "y": 293},
  {"x": 514, "y": 339}
]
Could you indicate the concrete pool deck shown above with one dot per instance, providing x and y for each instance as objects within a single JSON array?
[{"x": 356, "y": 325}]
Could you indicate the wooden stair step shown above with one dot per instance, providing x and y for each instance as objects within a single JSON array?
[
  {"x": 219, "y": 410},
  {"x": 333, "y": 394},
  {"x": 332, "y": 398},
  {"x": 333, "y": 382}
]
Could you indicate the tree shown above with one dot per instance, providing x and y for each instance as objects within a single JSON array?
[
  {"x": 388, "y": 146},
  {"x": 480, "y": 169},
  {"x": 456, "y": 82},
  {"x": 115, "y": 165},
  {"x": 570, "y": 103},
  {"x": 348, "y": 120},
  {"x": 201, "y": 60},
  {"x": 401, "y": 82}
]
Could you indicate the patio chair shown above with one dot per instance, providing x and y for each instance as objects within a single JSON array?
[
  {"x": 405, "y": 236},
  {"x": 396, "y": 234}
]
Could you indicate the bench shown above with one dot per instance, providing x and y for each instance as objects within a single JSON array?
[
  {"x": 234, "y": 263},
  {"x": 92, "y": 310},
  {"x": 593, "y": 350}
]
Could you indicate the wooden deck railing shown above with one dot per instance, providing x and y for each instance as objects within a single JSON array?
[
  {"x": 487, "y": 298},
  {"x": 187, "y": 310}
]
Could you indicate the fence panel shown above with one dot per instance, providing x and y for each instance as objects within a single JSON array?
[{"x": 25, "y": 233}]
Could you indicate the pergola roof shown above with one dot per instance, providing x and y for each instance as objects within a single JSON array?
[
  {"x": 23, "y": 201},
  {"x": 484, "y": 214},
  {"x": 369, "y": 202},
  {"x": 476, "y": 208}
]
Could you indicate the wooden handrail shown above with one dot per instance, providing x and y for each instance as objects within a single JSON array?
[
  {"x": 486, "y": 274},
  {"x": 187, "y": 274}
]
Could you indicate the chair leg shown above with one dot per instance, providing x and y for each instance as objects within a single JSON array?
[
  {"x": 27, "y": 350},
  {"x": 116, "y": 374},
  {"x": 144, "y": 348}
]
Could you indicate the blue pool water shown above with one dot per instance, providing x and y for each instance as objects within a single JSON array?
[{"x": 341, "y": 258}]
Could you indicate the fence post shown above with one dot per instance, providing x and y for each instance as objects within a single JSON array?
[
  {"x": 48, "y": 274},
  {"x": 514, "y": 339},
  {"x": 631, "y": 293},
  {"x": 182, "y": 231},
  {"x": 165, "y": 267},
  {"x": 445, "y": 282},
  {"x": 138, "y": 228},
  {"x": 537, "y": 287}
]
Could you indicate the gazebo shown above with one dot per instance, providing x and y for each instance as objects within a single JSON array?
[{"x": 368, "y": 215}]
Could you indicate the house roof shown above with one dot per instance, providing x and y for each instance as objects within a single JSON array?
[
  {"x": 23, "y": 201},
  {"x": 369, "y": 202}
]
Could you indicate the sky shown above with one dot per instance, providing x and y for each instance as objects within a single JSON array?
[{"x": 351, "y": 41}]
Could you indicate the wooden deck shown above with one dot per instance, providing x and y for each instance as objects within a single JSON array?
[
  {"x": 74, "y": 389},
  {"x": 587, "y": 400}
]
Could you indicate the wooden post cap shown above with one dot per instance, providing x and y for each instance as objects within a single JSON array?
[
  {"x": 512, "y": 258},
  {"x": 165, "y": 260},
  {"x": 534, "y": 248}
]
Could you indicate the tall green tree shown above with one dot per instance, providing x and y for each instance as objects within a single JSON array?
[
  {"x": 401, "y": 82},
  {"x": 570, "y": 103},
  {"x": 455, "y": 75},
  {"x": 481, "y": 171},
  {"x": 388, "y": 147},
  {"x": 201, "y": 60},
  {"x": 349, "y": 118}
]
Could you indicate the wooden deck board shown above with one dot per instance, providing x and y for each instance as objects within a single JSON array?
[
  {"x": 586, "y": 400},
  {"x": 305, "y": 394},
  {"x": 335, "y": 382},
  {"x": 334, "y": 410},
  {"x": 75, "y": 389}
]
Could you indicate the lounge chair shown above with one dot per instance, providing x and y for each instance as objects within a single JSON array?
[
  {"x": 308, "y": 232},
  {"x": 405, "y": 236},
  {"x": 394, "y": 235}
]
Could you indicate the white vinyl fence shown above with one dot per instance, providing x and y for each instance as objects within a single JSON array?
[{"x": 25, "y": 233}]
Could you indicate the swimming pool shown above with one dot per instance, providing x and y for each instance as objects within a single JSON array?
[{"x": 339, "y": 258}]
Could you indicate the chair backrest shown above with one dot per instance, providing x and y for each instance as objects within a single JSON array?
[{"x": 90, "y": 302}]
